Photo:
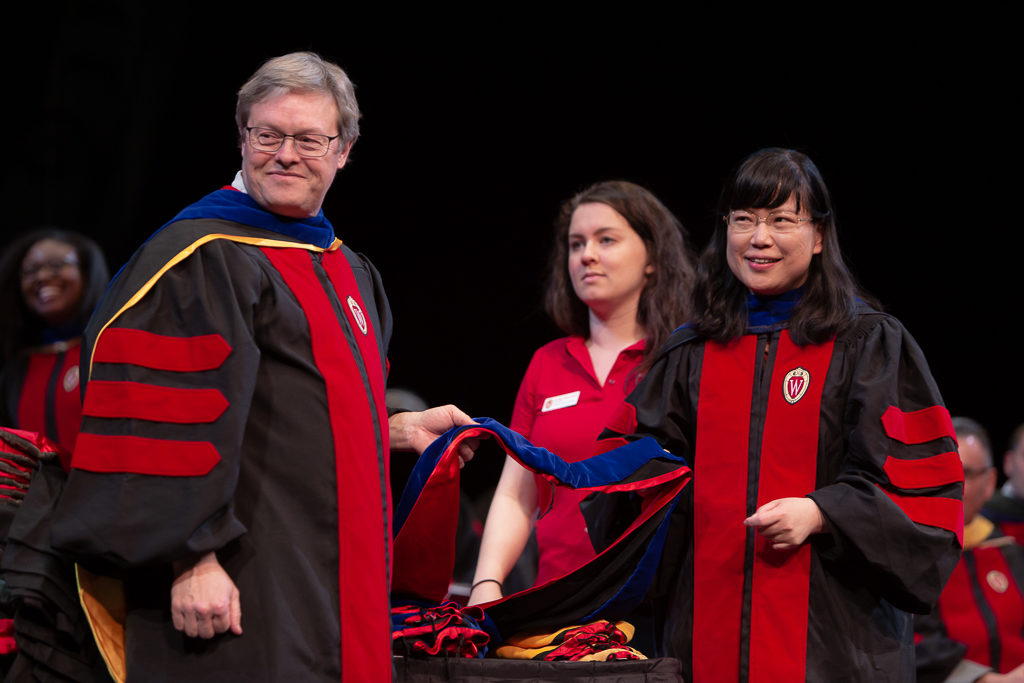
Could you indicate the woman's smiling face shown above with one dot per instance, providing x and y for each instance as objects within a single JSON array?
[
  {"x": 771, "y": 261},
  {"x": 51, "y": 281}
]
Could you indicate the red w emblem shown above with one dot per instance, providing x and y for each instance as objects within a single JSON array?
[
  {"x": 795, "y": 384},
  {"x": 357, "y": 313}
]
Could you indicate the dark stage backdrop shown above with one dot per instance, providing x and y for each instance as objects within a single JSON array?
[{"x": 476, "y": 128}]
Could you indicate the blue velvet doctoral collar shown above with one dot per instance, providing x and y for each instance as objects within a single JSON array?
[
  {"x": 765, "y": 311},
  {"x": 231, "y": 205}
]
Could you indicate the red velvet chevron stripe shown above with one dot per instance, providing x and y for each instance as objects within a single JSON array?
[
  {"x": 918, "y": 426},
  {"x": 160, "y": 352},
  {"x": 152, "y": 402},
  {"x": 99, "y": 453},
  {"x": 945, "y": 513},
  {"x": 937, "y": 470},
  {"x": 133, "y": 400}
]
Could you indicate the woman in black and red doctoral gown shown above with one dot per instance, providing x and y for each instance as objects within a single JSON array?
[
  {"x": 50, "y": 282},
  {"x": 827, "y": 488}
]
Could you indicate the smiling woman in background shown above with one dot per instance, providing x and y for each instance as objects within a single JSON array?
[
  {"x": 50, "y": 281},
  {"x": 620, "y": 276},
  {"x": 826, "y": 483}
]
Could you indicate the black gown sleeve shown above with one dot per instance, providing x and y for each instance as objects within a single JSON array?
[
  {"x": 890, "y": 479},
  {"x": 170, "y": 380}
]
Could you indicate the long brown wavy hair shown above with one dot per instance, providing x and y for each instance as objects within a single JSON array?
[{"x": 664, "y": 300}]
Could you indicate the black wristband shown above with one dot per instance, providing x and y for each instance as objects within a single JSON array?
[{"x": 486, "y": 581}]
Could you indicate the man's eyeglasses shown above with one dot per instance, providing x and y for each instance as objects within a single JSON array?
[{"x": 306, "y": 144}]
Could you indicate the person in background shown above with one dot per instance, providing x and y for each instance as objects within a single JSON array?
[
  {"x": 50, "y": 282},
  {"x": 620, "y": 276},
  {"x": 826, "y": 497},
  {"x": 976, "y": 631},
  {"x": 1006, "y": 507}
]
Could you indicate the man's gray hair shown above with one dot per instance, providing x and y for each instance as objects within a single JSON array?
[{"x": 301, "y": 72}]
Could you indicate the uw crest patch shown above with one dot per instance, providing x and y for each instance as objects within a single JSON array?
[
  {"x": 357, "y": 314},
  {"x": 998, "y": 581},
  {"x": 794, "y": 386},
  {"x": 70, "y": 382}
]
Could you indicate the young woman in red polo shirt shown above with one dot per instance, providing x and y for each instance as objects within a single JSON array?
[{"x": 619, "y": 282}]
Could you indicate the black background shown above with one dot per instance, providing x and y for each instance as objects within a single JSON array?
[{"x": 476, "y": 127}]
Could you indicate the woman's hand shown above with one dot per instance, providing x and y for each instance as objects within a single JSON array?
[
  {"x": 787, "y": 522},
  {"x": 204, "y": 599}
]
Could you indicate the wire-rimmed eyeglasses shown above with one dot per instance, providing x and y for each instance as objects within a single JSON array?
[{"x": 306, "y": 144}]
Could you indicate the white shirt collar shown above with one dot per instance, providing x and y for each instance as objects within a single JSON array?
[{"x": 239, "y": 183}]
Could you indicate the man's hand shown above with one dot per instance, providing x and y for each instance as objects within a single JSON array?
[
  {"x": 787, "y": 522},
  {"x": 416, "y": 431},
  {"x": 204, "y": 599}
]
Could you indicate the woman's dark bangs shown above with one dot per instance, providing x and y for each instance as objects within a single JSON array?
[{"x": 767, "y": 186}]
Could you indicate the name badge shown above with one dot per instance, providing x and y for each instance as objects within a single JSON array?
[{"x": 561, "y": 401}]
